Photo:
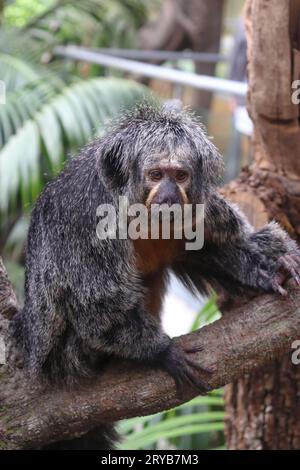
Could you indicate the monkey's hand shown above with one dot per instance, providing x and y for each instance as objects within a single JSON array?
[
  {"x": 279, "y": 260},
  {"x": 177, "y": 361},
  {"x": 237, "y": 256}
]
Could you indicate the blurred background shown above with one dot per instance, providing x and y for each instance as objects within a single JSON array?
[{"x": 67, "y": 68}]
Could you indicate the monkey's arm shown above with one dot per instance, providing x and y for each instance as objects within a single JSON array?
[{"x": 235, "y": 256}]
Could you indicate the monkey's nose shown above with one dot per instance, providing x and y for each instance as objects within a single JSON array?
[{"x": 169, "y": 200}]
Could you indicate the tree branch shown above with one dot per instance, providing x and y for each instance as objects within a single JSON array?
[{"x": 32, "y": 415}]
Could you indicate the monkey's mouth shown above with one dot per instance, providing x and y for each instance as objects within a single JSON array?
[
  {"x": 164, "y": 210},
  {"x": 162, "y": 218}
]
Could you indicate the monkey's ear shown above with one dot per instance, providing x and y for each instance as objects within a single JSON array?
[
  {"x": 210, "y": 161},
  {"x": 112, "y": 162},
  {"x": 212, "y": 165}
]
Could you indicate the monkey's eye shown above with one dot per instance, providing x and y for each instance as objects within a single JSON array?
[
  {"x": 155, "y": 175},
  {"x": 181, "y": 176}
]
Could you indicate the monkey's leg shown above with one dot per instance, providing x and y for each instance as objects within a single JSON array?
[{"x": 137, "y": 336}]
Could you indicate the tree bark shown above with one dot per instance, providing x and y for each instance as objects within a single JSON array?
[
  {"x": 194, "y": 25},
  {"x": 264, "y": 406},
  {"x": 34, "y": 414}
]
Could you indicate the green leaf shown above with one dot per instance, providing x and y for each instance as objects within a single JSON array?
[
  {"x": 208, "y": 314},
  {"x": 177, "y": 421},
  {"x": 146, "y": 440},
  {"x": 19, "y": 166},
  {"x": 16, "y": 72},
  {"x": 51, "y": 135}
]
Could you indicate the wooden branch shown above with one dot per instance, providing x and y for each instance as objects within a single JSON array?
[{"x": 32, "y": 414}]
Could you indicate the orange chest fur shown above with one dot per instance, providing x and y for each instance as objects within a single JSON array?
[{"x": 153, "y": 257}]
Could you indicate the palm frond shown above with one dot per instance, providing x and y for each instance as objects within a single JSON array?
[
  {"x": 67, "y": 20},
  {"x": 200, "y": 416},
  {"x": 208, "y": 313},
  {"x": 16, "y": 72},
  {"x": 37, "y": 140}
]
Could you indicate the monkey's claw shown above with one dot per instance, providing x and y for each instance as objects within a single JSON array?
[
  {"x": 288, "y": 266},
  {"x": 183, "y": 369},
  {"x": 276, "y": 284}
]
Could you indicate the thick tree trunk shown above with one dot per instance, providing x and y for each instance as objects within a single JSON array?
[
  {"x": 193, "y": 24},
  {"x": 264, "y": 407}
]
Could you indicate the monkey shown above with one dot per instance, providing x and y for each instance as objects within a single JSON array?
[{"x": 89, "y": 299}]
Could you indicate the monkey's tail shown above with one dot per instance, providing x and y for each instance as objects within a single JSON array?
[{"x": 102, "y": 437}]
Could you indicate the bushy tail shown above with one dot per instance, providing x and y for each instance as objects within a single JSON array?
[{"x": 100, "y": 438}]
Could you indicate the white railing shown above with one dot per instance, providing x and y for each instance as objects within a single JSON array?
[
  {"x": 203, "y": 82},
  {"x": 148, "y": 55}
]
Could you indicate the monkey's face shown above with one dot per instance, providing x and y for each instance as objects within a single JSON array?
[
  {"x": 158, "y": 157},
  {"x": 167, "y": 183},
  {"x": 167, "y": 179}
]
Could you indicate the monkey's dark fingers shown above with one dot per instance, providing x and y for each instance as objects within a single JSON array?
[
  {"x": 195, "y": 381},
  {"x": 200, "y": 367},
  {"x": 291, "y": 265},
  {"x": 187, "y": 377},
  {"x": 264, "y": 274},
  {"x": 196, "y": 365},
  {"x": 292, "y": 258},
  {"x": 181, "y": 368},
  {"x": 179, "y": 382},
  {"x": 193, "y": 349},
  {"x": 265, "y": 281},
  {"x": 276, "y": 284},
  {"x": 287, "y": 262}
]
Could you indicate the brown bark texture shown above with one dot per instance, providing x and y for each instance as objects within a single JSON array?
[{"x": 263, "y": 408}]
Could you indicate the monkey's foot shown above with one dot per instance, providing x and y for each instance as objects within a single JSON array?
[{"x": 179, "y": 364}]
